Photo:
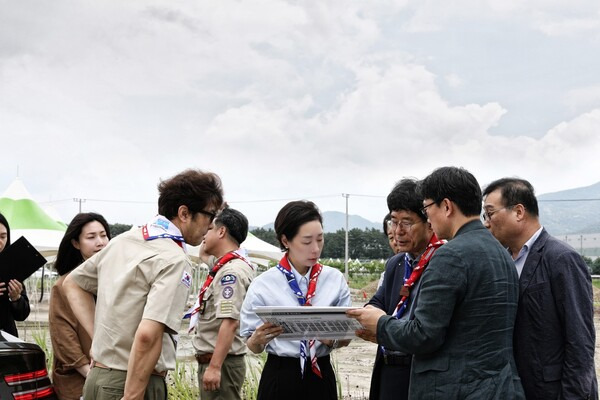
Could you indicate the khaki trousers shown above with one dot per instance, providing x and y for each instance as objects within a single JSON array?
[
  {"x": 233, "y": 373},
  {"x": 109, "y": 384}
]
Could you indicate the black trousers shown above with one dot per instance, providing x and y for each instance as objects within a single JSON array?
[{"x": 281, "y": 379}]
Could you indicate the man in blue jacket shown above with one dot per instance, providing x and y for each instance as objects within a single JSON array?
[
  {"x": 412, "y": 234},
  {"x": 554, "y": 338}
]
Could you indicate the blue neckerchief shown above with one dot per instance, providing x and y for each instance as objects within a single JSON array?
[
  {"x": 289, "y": 275},
  {"x": 407, "y": 271}
]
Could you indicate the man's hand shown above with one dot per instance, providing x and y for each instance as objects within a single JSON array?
[
  {"x": 2, "y": 288},
  {"x": 368, "y": 317},
  {"x": 211, "y": 380},
  {"x": 366, "y": 335},
  {"x": 146, "y": 348}
]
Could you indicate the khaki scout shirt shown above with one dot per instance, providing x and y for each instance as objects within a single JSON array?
[
  {"x": 223, "y": 299},
  {"x": 135, "y": 279}
]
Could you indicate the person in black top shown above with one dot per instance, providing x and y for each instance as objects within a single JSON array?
[{"x": 14, "y": 304}]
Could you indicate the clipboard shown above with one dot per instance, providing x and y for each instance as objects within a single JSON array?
[{"x": 19, "y": 261}]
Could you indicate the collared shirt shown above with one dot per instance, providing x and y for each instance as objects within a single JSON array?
[
  {"x": 223, "y": 299},
  {"x": 271, "y": 288},
  {"x": 135, "y": 279},
  {"x": 524, "y": 252}
]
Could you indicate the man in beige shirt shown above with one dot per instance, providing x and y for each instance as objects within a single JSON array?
[
  {"x": 141, "y": 281},
  {"x": 219, "y": 347}
]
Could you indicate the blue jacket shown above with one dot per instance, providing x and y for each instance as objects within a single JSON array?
[{"x": 554, "y": 331}]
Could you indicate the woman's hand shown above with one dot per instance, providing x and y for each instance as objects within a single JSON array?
[
  {"x": 263, "y": 335},
  {"x": 15, "y": 288}
]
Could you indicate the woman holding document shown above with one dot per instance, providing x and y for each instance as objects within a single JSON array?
[
  {"x": 14, "y": 304},
  {"x": 295, "y": 369}
]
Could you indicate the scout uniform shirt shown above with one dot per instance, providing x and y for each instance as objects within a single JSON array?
[
  {"x": 135, "y": 279},
  {"x": 223, "y": 299}
]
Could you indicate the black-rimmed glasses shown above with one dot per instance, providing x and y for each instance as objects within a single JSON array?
[
  {"x": 210, "y": 215},
  {"x": 424, "y": 208}
]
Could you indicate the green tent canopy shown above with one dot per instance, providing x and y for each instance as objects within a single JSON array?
[{"x": 27, "y": 218}]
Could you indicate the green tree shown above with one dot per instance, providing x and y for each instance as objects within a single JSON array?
[
  {"x": 117, "y": 229},
  {"x": 268, "y": 235},
  {"x": 596, "y": 266},
  {"x": 334, "y": 245}
]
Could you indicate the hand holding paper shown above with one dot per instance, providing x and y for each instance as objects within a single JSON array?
[{"x": 368, "y": 317}]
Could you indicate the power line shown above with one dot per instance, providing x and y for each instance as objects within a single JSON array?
[
  {"x": 563, "y": 200},
  {"x": 284, "y": 199}
]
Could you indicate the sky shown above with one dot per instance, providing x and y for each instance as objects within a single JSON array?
[{"x": 293, "y": 99}]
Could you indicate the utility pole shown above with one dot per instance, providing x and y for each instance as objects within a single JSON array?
[
  {"x": 76, "y": 200},
  {"x": 346, "y": 195}
]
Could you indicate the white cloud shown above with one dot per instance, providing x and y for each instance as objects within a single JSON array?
[
  {"x": 583, "y": 97},
  {"x": 282, "y": 99}
]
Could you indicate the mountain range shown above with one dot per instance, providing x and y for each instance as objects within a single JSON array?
[
  {"x": 573, "y": 211},
  {"x": 335, "y": 220},
  {"x": 567, "y": 212}
]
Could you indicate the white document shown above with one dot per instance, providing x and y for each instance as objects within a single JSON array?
[{"x": 307, "y": 323}]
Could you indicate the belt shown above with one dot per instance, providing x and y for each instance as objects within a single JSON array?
[
  {"x": 397, "y": 359},
  {"x": 205, "y": 358},
  {"x": 102, "y": 366}
]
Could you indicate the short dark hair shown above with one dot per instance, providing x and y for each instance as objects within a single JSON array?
[
  {"x": 4, "y": 222},
  {"x": 68, "y": 257},
  {"x": 515, "y": 191},
  {"x": 192, "y": 188},
  {"x": 235, "y": 222},
  {"x": 455, "y": 184},
  {"x": 386, "y": 221},
  {"x": 292, "y": 216},
  {"x": 405, "y": 197}
]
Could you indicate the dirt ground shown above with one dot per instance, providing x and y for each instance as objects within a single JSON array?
[{"x": 354, "y": 363}]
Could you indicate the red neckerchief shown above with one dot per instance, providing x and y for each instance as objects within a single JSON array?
[
  {"x": 312, "y": 282},
  {"x": 434, "y": 244},
  {"x": 211, "y": 276}
]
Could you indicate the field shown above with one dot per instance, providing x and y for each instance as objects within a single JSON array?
[{"x": 353, "y": 363}]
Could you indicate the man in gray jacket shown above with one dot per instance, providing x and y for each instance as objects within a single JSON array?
[{"x": 461, "y": 334}]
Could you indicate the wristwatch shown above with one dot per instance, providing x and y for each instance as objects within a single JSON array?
[{"x": 15, "y": 300}]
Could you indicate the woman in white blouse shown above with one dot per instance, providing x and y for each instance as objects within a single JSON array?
[{"x": 295, "y": 369}]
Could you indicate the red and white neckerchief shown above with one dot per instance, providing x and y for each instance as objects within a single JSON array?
[
  {"x": 285, "y": 267},
  {"x": 193, "y": 313},
  {"x": 434, "y": 244}
]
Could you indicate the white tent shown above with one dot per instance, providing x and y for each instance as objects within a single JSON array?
[
  {"x": 260, "y": 251},
  {"x": 27, "y": 218}
]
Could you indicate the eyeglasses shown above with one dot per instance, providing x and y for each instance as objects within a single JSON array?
[
  {"x": 405, "y": 225},
  {"x": 424, "y": 208},
  {"x": 210, "y": 215},
  {"x": 487, "y": 215}
]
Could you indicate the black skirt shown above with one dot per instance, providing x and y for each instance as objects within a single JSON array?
[{"x": 281, "y": 379}]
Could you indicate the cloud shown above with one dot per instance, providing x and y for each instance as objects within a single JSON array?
[
  {"x": 583, "y": 97},
  {"x": 282, "y": 99}
]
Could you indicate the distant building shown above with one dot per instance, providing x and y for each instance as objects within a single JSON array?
[{"x": 587, "y": 244}]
